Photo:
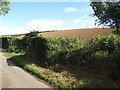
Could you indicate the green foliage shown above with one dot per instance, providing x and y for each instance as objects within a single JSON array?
[
  {"x": 55, "y": 81},
  {"x": 61, "y": 48},
  {"x": 104, "y": 53},
  {"x": 31, "y": 34},
  {"x": 4, "y": 7},
  {"x": 28, "y": 37},
  {"x": 98, "y": 52},
  {"x": 15, "y": 45},
  {"x": 49, "y": 49},
  {"x": 107, "y": 43},
  {"x": 107, "y": 12},
  {"x": 37, "y": 48},
  {"x": 3, "y": 43},
  {"x": 98, "y": 57},
  {"x": 18, "y": 45}
]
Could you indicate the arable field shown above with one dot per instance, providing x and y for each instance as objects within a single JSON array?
[{"x": 84, "y": 34}]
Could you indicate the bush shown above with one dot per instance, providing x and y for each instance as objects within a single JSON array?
[
  {"x": 100, "y": 55},
  {"x": 37, "y": 49},
  {"x": 107, "y": 43},
  {"x": 4, "y": 43},
  {"x": 49, "y": 49},
  {"x": 16, "y": 45},
  {"x": 13, "y": 44},
  {"x": 103, "y": 57},
  {"x": 28, "y": 37}
]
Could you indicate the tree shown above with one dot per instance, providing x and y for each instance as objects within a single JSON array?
[
  {"x": 28, "y": 37},
  {"x": 4, "y": 7},
  {"x": 107, "y": 12}
]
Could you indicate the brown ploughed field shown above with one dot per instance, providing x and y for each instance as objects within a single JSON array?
[{"x": 84, "y": 34}]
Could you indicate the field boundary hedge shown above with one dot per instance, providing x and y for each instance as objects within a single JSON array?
[{"x": 100, "y": 55}]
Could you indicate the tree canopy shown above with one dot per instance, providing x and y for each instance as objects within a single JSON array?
[
  {"x": 4, "y": 7},
  {"x": 107, "y": 12}
]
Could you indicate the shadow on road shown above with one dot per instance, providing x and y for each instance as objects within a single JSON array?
[
  {"x": 17, "y": 61},
  {"x": 10, "y": 63}
]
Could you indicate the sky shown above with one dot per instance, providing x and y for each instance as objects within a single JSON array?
[{"x": 24, "y": 17}]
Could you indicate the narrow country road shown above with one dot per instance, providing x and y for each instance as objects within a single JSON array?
[{"x": 12, "y": 76}]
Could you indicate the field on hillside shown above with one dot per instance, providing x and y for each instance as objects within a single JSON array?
[{"x": 84, "y": 34}]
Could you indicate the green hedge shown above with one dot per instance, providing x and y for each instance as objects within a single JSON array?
[
  {"x": 3, "y": 43},
  {"x": 109, "y": 43},
  {"x": 100, "y": 55},
  {"x": 12, "y": 44},
  {"x": 50, "y": 49}
]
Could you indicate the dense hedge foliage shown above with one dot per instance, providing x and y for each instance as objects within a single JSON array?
[
  {"x": 16, "y": 45},
  {"x": 106, "y": 43},
  {"x": 28, "y": 37},
  {"x": 100, "y": 55},
  {"x": 3, "y": 43},
  {"x": 50, "y": 49}
]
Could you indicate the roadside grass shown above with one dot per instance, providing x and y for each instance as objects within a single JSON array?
[
  {"x": 12, "y": 54},
  {"x": 62, "y": 79},
  {"x": 0, "y": 50}
]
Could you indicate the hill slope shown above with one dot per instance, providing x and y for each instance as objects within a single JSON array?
[{"x": 84, "y": 34}]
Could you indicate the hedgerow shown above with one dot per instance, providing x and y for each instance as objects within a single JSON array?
[
  {"x": 99, "y": 55},
  {"x": 49, "y": 49}
]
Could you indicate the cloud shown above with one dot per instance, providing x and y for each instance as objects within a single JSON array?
[
  {"x": 7, "y": 31},
  {"x": 77, "y": 20},
  {"x": 38, "y": 25},
  {"x": 44, "y": 24},
  {"x": 70, "y": 9}
]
